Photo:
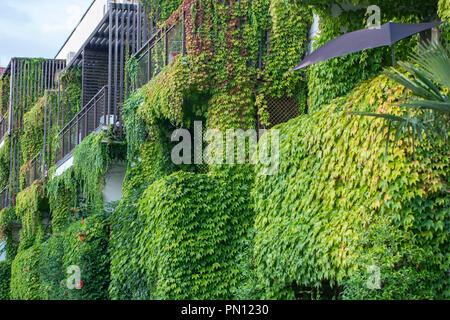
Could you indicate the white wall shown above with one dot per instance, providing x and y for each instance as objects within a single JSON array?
[
  {"x": 313, "y": 33},
  {"x": 113, "y": 182}
]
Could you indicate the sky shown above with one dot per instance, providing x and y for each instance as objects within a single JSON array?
[{"x": 37, "y": 28}]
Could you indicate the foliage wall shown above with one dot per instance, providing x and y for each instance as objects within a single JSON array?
[
  {"x": 5, "y": 162},
  {"x": 198, "y": 86},
  {"x": 32, "y": 136},
  {"x": 444, "y": 13},
  {"x": 283, "y": 40},
  {"x": 338, "y": 206},
  {"x": 71, "y": 86},
  {"x": 29, "y": 72},
  {"x": 148, "y": 160},
  {"x": 337, "y": 77},
  {"x": 194, "y": 231},
  {"x": 30, "y": 208},
  {"x": 9, "y": 225},
  {"x": 82, "y": 244},
  {"x": 25, "y": 277},
  {"x": 230, "y": 46},
  {"x": 194, "y": 87},
  {"x": 5, "y": 278},
  {"x": 77, "y": 191},
  {"x": 74, "y": 199},
  {"x": 4, "y": 94},
  {"x": 160, "y": 10}
]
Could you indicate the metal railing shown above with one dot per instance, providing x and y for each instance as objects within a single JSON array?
[
  {"x": 158, "y": 52},
  {"x": 35, "y": 171},
  {"x": 3, "y": 128},
  {"x": 92, "y": 116},
  {"x": 5, "y": 199}
]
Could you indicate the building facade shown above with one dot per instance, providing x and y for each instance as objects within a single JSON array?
[{"x": 88, "y": 178}]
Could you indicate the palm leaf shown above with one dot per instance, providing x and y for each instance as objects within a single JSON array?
[
  {"x": 429, "y": 116},
  {"x": 389, "y": 117},
  {"x": 433, "y": 59},
  {"x": 412, "y": 85},
  {"x": 421, "y": 79},
  {"x": 428, "y": 104}
]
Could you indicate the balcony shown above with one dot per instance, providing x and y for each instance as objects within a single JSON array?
[
  {"x": 102, "y": 58},
  {"x": 3, "y": 129},
  {"x": 96, "y": 12},
  {"x": 97, "y": 114},
  {"x": 158, "y": 52},
  {"x": 5, "y": 199},
  {"x": 34, "y": 170}
]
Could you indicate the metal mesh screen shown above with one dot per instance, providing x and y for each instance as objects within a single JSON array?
[{"x": 281, "y": 110}]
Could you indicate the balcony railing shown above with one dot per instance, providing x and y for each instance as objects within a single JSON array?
[
  {"x": 5, "y": 199},
  {"x": 94, "y": 115},
  {"x": 35, "y": 170},
  {"x": 158, "y": 52},
  {"x": 3, "y": 128}
]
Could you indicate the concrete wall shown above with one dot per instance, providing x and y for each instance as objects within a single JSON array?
[{"x": 113, "y": 182}]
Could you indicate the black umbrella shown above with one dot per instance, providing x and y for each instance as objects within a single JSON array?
[{"x": 387, "y": 35}]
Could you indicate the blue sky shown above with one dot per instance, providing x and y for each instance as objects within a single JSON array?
[{"x": 37, "y": 28}]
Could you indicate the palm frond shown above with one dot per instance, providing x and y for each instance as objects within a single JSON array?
[
  {"x": 429, "y": 115},
  {"x": 421, "y": 79},
  {"x": 428, "y": 104},
  {"x": 415, "y": 87},
  {"x": 433, "y": 59},
  {"x": 379, "y": 115}
]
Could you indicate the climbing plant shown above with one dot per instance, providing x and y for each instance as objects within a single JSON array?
[
  {"x": 286, "y": 45},
  {"x": 148, "y": 160},
  {"x": 310, "y": 230},
  {"x": 5, "y": 278},
  {"x": 9, "y": 226},
  {"x": 25, "y": 277},
  {"x": 5, "y": 162},
  {"x": 160, "y": 10},
  {"x": 85, "y": 246},
  {"x": 30, "y": 208},
  {"x": 195, "y": 218},
  {"x": 97, "y": 152},
  {"x": 80, "y": 247},
  {"x": 32, "y": 135},
  {"x": 318, "y": 219},
  {"x": 70, "y": 82},
  {"x": 4, "y": 94},
  {"x": 444, "y": 13}
]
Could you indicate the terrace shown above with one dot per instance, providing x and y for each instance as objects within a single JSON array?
[
  {"x": 159, "y": 51},
  {"x": 102, "y": 58}
]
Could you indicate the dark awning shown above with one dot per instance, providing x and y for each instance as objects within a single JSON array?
[{"x": 387, "y": 34}]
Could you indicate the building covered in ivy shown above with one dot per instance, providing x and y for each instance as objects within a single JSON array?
[{"x": 94, "y": 207}]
